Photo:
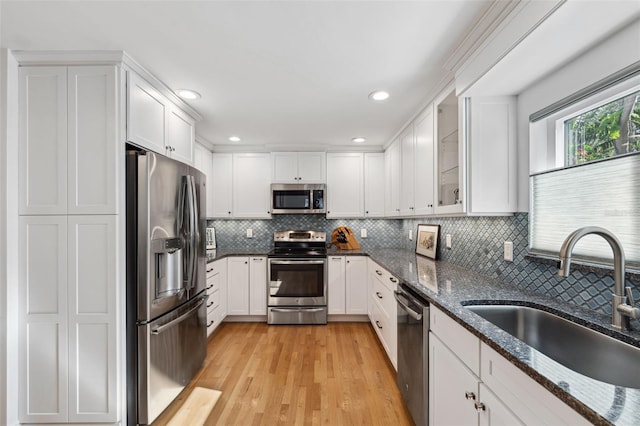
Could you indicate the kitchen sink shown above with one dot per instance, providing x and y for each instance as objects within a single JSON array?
[{"x": 579, "y": 348}]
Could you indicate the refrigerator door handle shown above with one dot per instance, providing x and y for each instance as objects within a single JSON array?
[
  {"x": 193, "y": 231},
  {"x": 173, "y": 323}
]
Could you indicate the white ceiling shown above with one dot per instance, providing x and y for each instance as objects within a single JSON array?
[{"x": 277, "y": 74}]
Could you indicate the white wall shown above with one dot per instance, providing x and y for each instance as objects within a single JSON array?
[{"x": 613, "y": 54}]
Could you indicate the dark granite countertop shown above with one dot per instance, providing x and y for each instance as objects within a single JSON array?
[{"x": 448, "y": 287}]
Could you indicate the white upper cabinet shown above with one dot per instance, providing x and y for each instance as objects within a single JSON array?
[
  {"x": 68, "y": 140},
  {"x": 448, "y": 156},
  {"x": 492, "y": 151},
  {"x": 423, "y": 166},
  {"x": 155, "y": 123},
  {"x": 298, "y": 167},
  {"x": 374, "y": 184},
  {"x": 220, "y": 186},
  {"x": 392, "y": 166},
  {"x": 251, "y": 188},
  {"x": 203, "y": 161},
  {"x": 407, "y": 178},
  {"x": 147, "y": 113},
  {"x": 345, "y": 185}
]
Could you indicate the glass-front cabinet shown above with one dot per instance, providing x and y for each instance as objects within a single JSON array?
[{"x": 449, "y": 182}]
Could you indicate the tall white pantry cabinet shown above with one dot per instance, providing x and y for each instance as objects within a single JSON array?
[{"x": 69, "y": 157}]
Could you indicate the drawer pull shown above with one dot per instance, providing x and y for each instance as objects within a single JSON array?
[
  {"x": 210, "y": 287},
  {"x": 257, "y": 259},
  {"x": 378, "y": 324},
  {"x": 479, "y": 406},
  {"x": 379, "y": 295},
  {"x": 393, "y": 280},
  {"x": 210, "y": 323},
  {"x": 470, "y": 395},
  {"x": 209, "y": 304},
  {"x": 378, "y": 272}
]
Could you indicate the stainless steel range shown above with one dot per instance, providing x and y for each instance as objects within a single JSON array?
[{"x": 297, "y": 271}]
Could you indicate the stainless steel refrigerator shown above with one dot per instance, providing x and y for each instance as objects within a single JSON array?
[{"x": 166, "y": 259}]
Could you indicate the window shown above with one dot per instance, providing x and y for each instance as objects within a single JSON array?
[
  {"x": 605, "y": 131},
  {"x": 585, "y": 170}
]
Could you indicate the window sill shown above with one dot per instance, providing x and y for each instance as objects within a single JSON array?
[{"x": 631, "y": 273}]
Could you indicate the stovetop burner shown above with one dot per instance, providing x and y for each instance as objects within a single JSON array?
[{"x": 299, "y": 244}]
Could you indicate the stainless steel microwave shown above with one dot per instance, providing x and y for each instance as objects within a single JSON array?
[{"x": 293, "y": 198}]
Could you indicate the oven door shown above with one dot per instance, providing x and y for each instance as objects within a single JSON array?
[{"x": 297, "y": 282}]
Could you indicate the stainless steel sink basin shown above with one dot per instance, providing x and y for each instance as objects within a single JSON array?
[{"x": 579, "y": 348}]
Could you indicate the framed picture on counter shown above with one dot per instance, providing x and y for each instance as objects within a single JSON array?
[{"x": 427, "y": 240}]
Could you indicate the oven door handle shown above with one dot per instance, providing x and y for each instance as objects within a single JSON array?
[
  {"x": 294, "y": 262},
  {"x": 413, "y": 314},
  {"x": 297, "y": 309}
]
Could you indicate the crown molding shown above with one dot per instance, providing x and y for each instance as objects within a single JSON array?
[{"x": 101, "y": 57}]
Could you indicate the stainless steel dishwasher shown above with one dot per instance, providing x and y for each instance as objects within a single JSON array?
[{"x": 413, "y": 352}]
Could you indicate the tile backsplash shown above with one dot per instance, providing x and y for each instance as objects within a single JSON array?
[{"x": 477, "y": 244}]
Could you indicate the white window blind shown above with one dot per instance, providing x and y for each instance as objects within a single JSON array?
[{"x": 605, "y": 193}]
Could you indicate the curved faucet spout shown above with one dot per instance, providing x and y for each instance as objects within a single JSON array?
[{"x": 617, "y": 319}]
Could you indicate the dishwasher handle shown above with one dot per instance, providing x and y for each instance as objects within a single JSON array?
[{"x": 405, "y": 305}]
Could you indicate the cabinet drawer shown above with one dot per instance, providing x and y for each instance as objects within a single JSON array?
[
  {"x": 213, "y": 300},
  {"x": 461, "y": 342},
  {"x": 385, "y": 328},
  {"x": 384, "y": 296},
  {"x": 382, "y": 275}
]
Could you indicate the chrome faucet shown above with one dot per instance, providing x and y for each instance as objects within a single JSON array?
[{"x": 621, "y": 312}]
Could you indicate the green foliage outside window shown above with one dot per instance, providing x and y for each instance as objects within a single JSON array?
[{"x": 606, "y": 131}]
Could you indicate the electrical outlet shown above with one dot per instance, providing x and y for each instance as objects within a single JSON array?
[
  {"x": 508, "y": 251},
  {"x": 448, "y": 241},
  {"x": 249, "y": 233},
  {"x": 363, "y": 233},
  {"x": 410, "y": 234}
]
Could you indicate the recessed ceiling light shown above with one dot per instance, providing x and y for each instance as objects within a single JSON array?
[
  {"x": 379, "y": 95},
  {"x": 358, "y": 140},
  {"x": 234, "y": 139},
  {"x": 188, "y": 94}
]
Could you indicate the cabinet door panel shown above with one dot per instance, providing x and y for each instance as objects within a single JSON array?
[
  {"x": 238, "y": 286},
  {"x": 251, "y": 187},
  {"x": 336, "y": 303},
  {"x": 93, "y": 143},
  {"x": 43, "y": 140},
  {"x": 311, "y": 167},
  {"x": 221, "y": 187},
  {"x": 424, "y": 187},
  {"x": 495, "y": 412},
  {"x": 92, "y": 318},
  {"x": 345, "y": 185},
  {"x": 146, "y": 115},
  {"x": 42, "y": 310},
  {"x": 449, "y": 381},
  {"x": 258, "y": 286},
  {"x": 181, "y": 135},
  {"x": 284, "y": 167},
  {"x": 356, "y": 285},
  {"x": 407, "y": 203},
  {"x": 374, "y": 183}
]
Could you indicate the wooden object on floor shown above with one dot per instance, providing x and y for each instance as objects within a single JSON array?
[
  {"x": 336, "y": 374},
  {"x": 195, "y": 410}
]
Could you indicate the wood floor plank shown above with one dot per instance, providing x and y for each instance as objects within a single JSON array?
[{"x": 336, "y": 374}]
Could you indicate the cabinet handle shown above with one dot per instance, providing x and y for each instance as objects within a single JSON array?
[
  {"x": 210, "y": 323},
  {"x": 348, "y": 261},
  {"x": 209, "y": 305},
  {"x": 378, "y": 324},
  {"x": 210, "y": 287},
  {"x": 378, "y": 272},
  {"x": 479, "y": 406},
  {"x": 393, "y": 280},
  {"x": 470, "y": 395},
  {"x": 336, "y": 258},
  {"x": 379, "y": 295},
  {"x": 229, "y": 213},
  {"x": 257, "y": 259},
  {"x": 246, "y": 262}
]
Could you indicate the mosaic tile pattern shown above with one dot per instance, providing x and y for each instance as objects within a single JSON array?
[
  {"x": 478, "y": 245},
  {"x": 381, "y": 233}
]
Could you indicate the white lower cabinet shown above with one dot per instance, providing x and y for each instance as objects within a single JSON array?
[
  {"x": 247, "y": 285},
  {"x": 217, "y": 292},
  {"x": 471, "y": 384},
  {"x": 347, "y": 285},
  {"x": 68, "y": 324},
  {"x": 383, "y": 309}
]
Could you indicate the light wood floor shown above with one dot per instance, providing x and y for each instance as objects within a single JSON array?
[{"x": 336, "y": 374}]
